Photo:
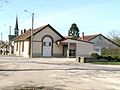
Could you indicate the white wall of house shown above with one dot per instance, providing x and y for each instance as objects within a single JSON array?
[
  {"x": 26, "y": 49},
  {"x": 16, "y": 51},
  {"x": 19, "y": 52},
  {"x": 82, "y": 48},
  {"x": 15, "y": 47}
]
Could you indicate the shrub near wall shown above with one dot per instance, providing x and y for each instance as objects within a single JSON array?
[{"x": 110, "y": 52}]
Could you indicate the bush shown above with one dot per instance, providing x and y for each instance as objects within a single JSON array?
[
  {"x": 105, "y": 57},
  {"x": 94, "y": 55},
  {"x": 110, "y": 52}
]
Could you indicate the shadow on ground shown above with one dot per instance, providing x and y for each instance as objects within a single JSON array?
[{"x": 31, "y": 88}]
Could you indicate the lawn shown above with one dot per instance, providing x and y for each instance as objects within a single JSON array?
[{"x": 107, "y": 63}]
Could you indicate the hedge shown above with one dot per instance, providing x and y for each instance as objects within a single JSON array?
[{"x": 110, "y": 52}]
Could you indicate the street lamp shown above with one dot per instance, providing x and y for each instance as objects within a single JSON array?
[{"x": 31, "y": 33}]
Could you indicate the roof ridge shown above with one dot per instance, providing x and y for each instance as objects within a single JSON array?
[
  {"x": 93, "y": 35},
  {"x": 27, "y": 33}
]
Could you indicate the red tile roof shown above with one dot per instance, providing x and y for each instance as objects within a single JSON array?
[
  {"x": 27, "y": 34},
  {"x": 73, "y": 38},
  {"x": 89, "y": 37}
]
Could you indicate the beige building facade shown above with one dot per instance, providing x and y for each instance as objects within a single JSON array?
[{"x": 47, "y": 42}]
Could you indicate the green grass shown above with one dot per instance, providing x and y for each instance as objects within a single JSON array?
[{"x": 107, "y": 63}]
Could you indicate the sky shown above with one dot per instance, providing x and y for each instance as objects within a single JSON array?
[{"x": 91, "y": 16}]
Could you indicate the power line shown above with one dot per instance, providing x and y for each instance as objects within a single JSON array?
[
  {"x": 9, "y": 4},
  {"x": 23, "y": 21}
]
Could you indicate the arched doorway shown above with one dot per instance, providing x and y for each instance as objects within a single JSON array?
[{"x": 47, "y": 46}]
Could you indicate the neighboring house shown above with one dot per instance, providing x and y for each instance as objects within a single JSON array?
[
  {"x": 11, "y": 45},
  {"x": 47, "y": 42},
  {"x": 100, "y": 42}
]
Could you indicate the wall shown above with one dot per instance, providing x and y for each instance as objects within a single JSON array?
[
  {"x": 84, "y": 49},
  {"x": 46, "y": 31},
  {"x": 37, "y": 42},
  {"x": 37, "y": 48},
  {"x": 19, "y": 52},
  {"x": 57, "y": 50},
  {"x": 101, "y": 42},
  {"x": 16, "y": 51},
  {"x": 26, "y": 49}
]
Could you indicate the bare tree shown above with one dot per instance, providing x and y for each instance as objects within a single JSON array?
[
  {"x": 115, "y": 36},
  {"x": 3, "y": 2}
]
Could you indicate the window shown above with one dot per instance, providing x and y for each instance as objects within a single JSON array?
[
  {"x": 44, "y": 43},
  {"x": 23, "y": 46},
  {"x": 47, "y": 44},
  {"x": 97, "y": 50}
]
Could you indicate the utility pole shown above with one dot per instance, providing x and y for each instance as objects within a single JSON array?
[
  {"x": 1, "y": 36},
  {"x": 31, "y": 53},
  {"x": 32, "y": 34},
  {"x": 9, "y": 30}
]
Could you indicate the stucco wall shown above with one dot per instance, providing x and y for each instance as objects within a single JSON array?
[
  {"x": 15, "y": 44},
  {"x": 26, "y": 49},
  {"x": 57, "y": 50},
  {"x": 19, "y": 52},
  {"x": 37, "y": 48},
  {"x": 84, "y": 49},
  {"x": 16, "y": 51},
  {"x": 100, "y": 41},
  {"x": 46, "y": 31},
  {"x": 37, "y": 42}
]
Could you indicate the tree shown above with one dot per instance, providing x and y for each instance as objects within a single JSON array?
[
  {"x": 2, "y": 2},
  {"x": 114, "y": 36},
  {"x": 74, "y": 31}
]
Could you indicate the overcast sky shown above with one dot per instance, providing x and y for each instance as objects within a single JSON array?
[{"x": 91, "y": 16}]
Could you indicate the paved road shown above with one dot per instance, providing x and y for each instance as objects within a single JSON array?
[{"x": 59, "y": 73}]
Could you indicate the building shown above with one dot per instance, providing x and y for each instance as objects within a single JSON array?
[
  {"x": 47, "y": 42},
  {"x": 100, "y": 42},
  {"x": 11, "y": 37}
]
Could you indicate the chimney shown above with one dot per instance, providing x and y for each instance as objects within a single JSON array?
[
  {"x": 24, "y": 30},
  {"x": 21, "y": 31},
  {"x": 82, "y": 36}
]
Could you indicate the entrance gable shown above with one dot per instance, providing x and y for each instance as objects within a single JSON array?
[{"x": 47, "y": 31}]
